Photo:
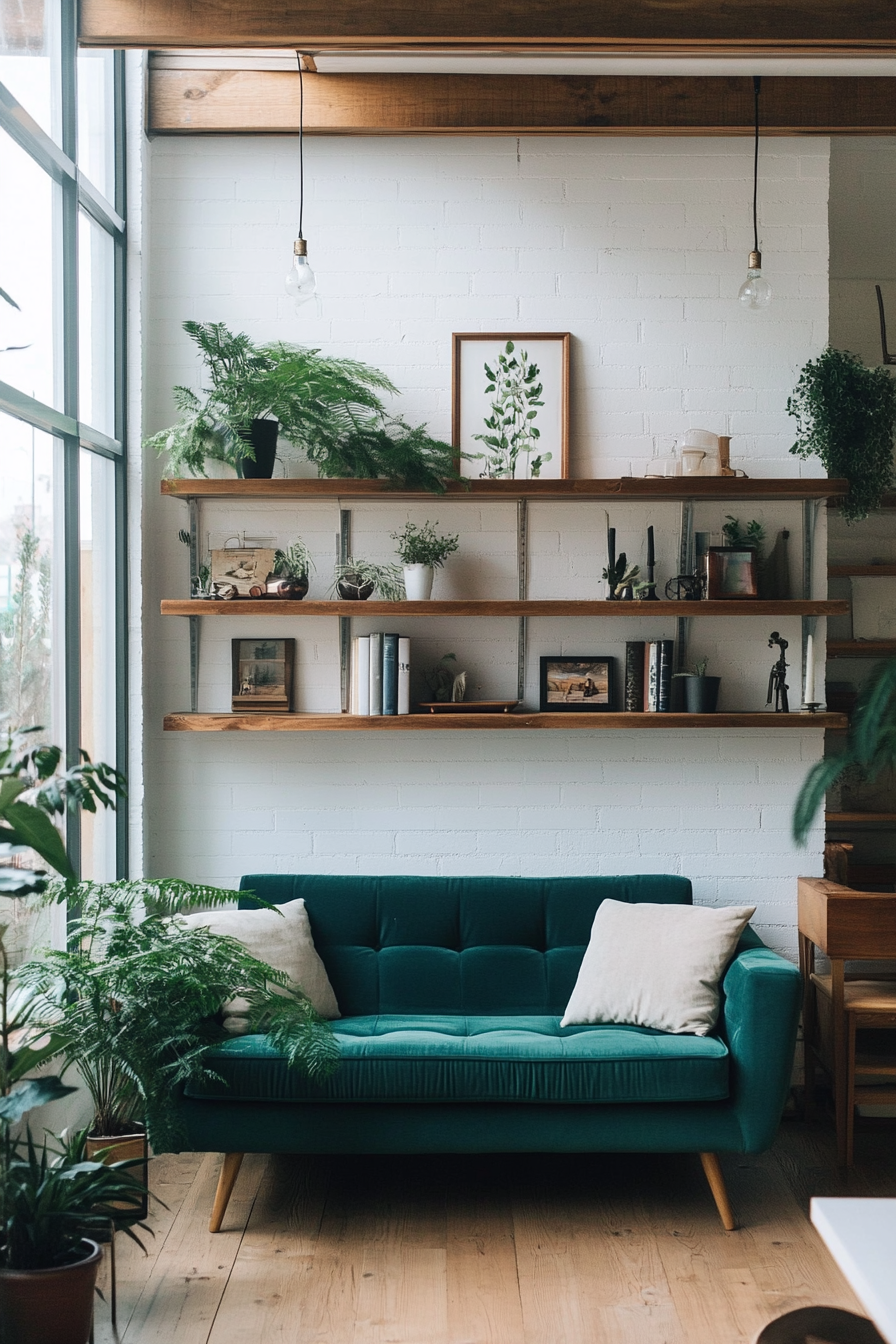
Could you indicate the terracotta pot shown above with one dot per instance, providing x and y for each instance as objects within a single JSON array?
[
  {"x": 49, "y": 1306},
  {"x": 124, "y": 1148}
]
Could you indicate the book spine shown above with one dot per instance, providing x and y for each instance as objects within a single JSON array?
[
  {"x": 404, "y": 676},
  {"x": 633, "y": 700},
  {"x": 390, "y": 674},
  {"x": 664, "y": 675},
  {"x": 376, "y": 674},
  {"x": 651, "y": 675},
  {"x": 363, "y": 675},
  {"x": 353, "y": 679}
]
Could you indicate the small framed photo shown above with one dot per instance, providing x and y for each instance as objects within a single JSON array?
[
  {"x": 576, "y": 685},
  {"x": 241, "y": 569},
  {"x": 263, "y": 676},
  {"x": 510, "y": 404},
  {"x": 730, "y": 574}
]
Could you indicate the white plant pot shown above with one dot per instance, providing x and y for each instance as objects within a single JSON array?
[{"x": 418, "y": 582}]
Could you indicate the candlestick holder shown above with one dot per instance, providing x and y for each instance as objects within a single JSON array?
[
  {"x": 813, "y": 706},
  {"x": 650, "y": 596}
]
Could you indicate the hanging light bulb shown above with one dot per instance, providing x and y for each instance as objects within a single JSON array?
[
  {"x": 755, "y": 292},
  {"x": 301, "y": 283}
]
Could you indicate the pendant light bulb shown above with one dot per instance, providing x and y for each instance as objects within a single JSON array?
[
  {"x": 755, "y": 292},
  {"x": 300, "y": 282}
]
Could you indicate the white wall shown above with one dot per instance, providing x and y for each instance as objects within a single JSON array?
[{"x": 635, "y": 246}]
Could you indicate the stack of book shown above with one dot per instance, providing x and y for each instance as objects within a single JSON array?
[
  {"x": 381, "y": 675},
  {"x": 648, "y": 676}
]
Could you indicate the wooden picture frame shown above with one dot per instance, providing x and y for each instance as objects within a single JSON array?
[
  {"x": 241, "y": 571},
  {"x": 731, "y": 574},
  {"x": 472, "y": 403},
  {"x": 263, "y": 675},
  {"x": 586, "y": 684}
]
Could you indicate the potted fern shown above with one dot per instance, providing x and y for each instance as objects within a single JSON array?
[{"x": 422, "y": 551}]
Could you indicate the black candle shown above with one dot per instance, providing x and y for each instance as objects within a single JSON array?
[
  {"x": 611, "y": 551},
  {"x": 650, "y": 556}
]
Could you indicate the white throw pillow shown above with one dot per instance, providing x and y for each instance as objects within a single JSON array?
[
  {"x": 284, "y": 941},
  {"x": 656, "y": 965}
]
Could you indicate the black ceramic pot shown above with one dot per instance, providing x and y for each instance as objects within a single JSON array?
[
  {"x": 262, "y": 434},
  {"x": 352, "y": 592},
  {"x": 701, "y": 694}
]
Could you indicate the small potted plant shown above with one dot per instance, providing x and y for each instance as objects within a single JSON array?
[
  {"x": 355, "y": 580},
  {"x": 421, "y": 551},
  {"x": 291, "y": 573},
  {"x": 701, "y": 693}
]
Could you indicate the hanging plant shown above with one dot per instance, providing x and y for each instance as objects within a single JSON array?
[{"x": 846, "y": 416}]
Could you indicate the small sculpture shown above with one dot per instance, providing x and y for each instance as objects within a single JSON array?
[
  {"x": 777, "y": 680},
  {"x": 685, "y": 588}
]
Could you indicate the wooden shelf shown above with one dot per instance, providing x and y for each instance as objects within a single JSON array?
[
  {"x": 624, "y": 488},
  {"x": 860, "y": 818},
  {"x": 510, "y": 607},
  {"x": 861, "y": 571},
  {"x": 861, "y": 648},
  {"x": 403, "y": 723}
]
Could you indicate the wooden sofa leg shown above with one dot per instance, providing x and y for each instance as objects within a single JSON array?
[
  {"x": 226, "y": 1181},
  {"x": 713, "y": 1173}
]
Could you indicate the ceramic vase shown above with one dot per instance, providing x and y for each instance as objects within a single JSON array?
[{"x": 418, "y": 582}]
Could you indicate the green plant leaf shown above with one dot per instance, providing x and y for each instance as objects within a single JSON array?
[
  {"x": 34, "y": 829},
  {"x": 26, "y": 1096}
]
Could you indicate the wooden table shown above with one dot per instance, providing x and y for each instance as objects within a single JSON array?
[
  {"x": 846, "y": 925},
  {"x": 861, "y": 1236}
]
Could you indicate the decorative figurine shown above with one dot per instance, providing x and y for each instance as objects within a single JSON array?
[
  {"x": 650, "y": 594},
  {"x": 685, "y": 588},
  {"x": 777, "y": 680}
]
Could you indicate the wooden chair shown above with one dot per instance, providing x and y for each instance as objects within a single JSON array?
[
  {"x": 819, "y": 1325},
  {"x": 846, "y": 925}
]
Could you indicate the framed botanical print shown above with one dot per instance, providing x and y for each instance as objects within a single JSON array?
[{"x": 510, "y": 404}]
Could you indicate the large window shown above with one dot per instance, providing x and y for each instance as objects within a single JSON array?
[{"x": 62, "y": 432}]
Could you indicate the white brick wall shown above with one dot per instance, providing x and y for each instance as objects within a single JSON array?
[{"x": 635, "y": 246}]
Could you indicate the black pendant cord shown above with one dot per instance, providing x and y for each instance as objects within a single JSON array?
[
  {"x": 757, "y": 81},
  {"x": 302, "y": 140}
]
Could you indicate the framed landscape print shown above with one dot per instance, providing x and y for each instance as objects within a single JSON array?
[
  {"x": 574, "y": 685},
  {"x": 510, "y": 404},
  {"x": 263, "y": 675},
  {"x": 730, "y": 574}
]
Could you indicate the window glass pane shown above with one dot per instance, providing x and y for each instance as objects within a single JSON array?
[
  {"x": 30, "y": 61},
  {"x": 30, "y": 274},
  {"x": 96, "y": 324},
  {"x": 96, "y": 119},
  {"x": 98, "y": 681}
]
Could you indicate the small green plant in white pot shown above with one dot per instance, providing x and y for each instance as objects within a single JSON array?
[{"x": 421, "y": 551}]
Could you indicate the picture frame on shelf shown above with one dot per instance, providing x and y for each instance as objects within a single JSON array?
[
  {"x": 510, "y": 404},
  {"x": 586, "y": 684},
  {"x": 730, "y": 574},
  {"x": 241, "y": 568},
  {"x": 263, "y": 676}
]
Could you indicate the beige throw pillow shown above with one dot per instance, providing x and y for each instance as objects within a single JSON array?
[
  {"x": 284, "y": 941},
  {"x": 656, "y": 965}
]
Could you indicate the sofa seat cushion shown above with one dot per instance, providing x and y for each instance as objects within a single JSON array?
[{"x": 487, "y": 1059}]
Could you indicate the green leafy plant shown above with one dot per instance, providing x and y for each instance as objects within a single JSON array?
[
  {"x": 749, "y": 538},
  {"x": 846, "y": 416},
  {"x": 513, "y": 434},
  {"x": 387, "y": 580},
  {"x": 621, "y": 575},
  {"x": 698, "y": 670},
  {"x": 329, "y": 408},
  {"x": 870, "y": 748},
  {"x": 422, "y": 545},
  {"x": 54, "y": 1197},
  {"x": 294, "y": 562},
  {"x": 135, "y": 1001}
]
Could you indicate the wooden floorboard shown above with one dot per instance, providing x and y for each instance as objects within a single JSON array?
[{"x": 506, "y": 1249}]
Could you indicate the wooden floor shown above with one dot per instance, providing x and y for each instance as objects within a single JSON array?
[{"x": 535, "y": 1249}]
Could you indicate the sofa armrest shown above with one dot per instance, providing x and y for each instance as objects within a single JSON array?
[{"x": 761, "y": 1004}]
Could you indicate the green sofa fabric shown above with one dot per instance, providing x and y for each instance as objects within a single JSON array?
[
  {"x": 451, "y": 991},
  {"x": 533, "y": 1059}
]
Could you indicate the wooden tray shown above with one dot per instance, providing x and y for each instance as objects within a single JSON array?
[{"x": 469, "y": 706}]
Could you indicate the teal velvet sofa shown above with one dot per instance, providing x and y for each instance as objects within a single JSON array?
[{"x": 451, "y": 992}]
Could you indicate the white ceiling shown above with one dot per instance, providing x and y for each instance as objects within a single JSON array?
[{"x": 491, "y": 63}]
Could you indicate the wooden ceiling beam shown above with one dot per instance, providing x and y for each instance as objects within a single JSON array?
[
  {"x": 236, "y": 102},
  {"x": 710, "y": 26}
]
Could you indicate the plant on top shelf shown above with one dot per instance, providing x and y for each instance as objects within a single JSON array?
[
  {"x": 870, "y": 748},
  {"x": 846, "y": 416},
  {"x": 421, "y": 551},
  {"x": 749, "y": 538},
  {"x": 329, "y": 408},
  {"x": 355, "y": 580}
]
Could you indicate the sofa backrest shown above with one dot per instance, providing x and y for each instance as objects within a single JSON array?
[{"x": 474, "y": 945}]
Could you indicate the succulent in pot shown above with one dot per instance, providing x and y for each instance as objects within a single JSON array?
[
  {"x": 701, "y": 693},
  {"x": 355, "y": 580},
  {"x": 422, "y": 551}
]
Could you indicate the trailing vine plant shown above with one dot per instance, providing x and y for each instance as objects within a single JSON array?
[
  {"x": 513, "y": 433},
  {"x": 846, "y": 416}
]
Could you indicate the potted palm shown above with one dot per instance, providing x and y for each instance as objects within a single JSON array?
[
  {"x": 422, "y": 551},
  {"x": 327, "y": 407}
]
